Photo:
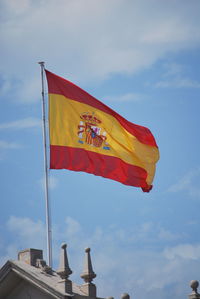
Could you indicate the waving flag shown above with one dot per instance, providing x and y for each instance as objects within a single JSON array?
[{"x": 86, "y": 135}]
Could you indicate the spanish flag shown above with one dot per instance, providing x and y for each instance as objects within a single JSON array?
[{"x": 86, "y": 135}]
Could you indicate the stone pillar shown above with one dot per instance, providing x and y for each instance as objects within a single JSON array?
[
  {"x": 88, "y": 275},
  {"x": 64, "y": 271},
  {"x": 194, "y": 285}
]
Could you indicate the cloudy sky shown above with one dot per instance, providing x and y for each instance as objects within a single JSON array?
[{"x": 140, "y": 57}]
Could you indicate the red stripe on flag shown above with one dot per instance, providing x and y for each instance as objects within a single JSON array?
[
  {"x": 63, "y": 157},
  {"x": 61, "y": 86}
]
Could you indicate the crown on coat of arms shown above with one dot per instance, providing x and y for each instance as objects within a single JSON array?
[{"x": 90, "y": 118}]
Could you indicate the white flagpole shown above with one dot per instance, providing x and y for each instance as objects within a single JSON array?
[{"x": 48, "y": 210}]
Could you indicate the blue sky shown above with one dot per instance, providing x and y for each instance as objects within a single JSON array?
[{"x": 142, "y": 59}]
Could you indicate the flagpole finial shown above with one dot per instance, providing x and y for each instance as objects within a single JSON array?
[{"x": 41, "y": 63}]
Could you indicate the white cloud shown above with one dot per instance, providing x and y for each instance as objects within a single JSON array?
[
  {"x": 29, "y": 122},
  {"x": 173, "y": 69},
  {"x": 188, "y": 183},
  {"x": 5, "y": 146},
  {"x": 52, "y": 181},
  {"x": 9, "y": 145},
  {"x": 73, "y": 226},
  {"x": 29, "y": 90},
  {"x": 10, "y": 253},
  {"x": 166, "y": 235},
  {"x": 25, "y": 89},
  {"x": 174, "y": 77},
  {"x": 19, "y": 7},
  {"x": 25, "y": 227},
  {"x": 184, "y": 251},
  {"x": 91, "y": 39},
  {"x": 120, "y": 264},
  {"x": 128, "y": 97},
  {"x": 25, "y": 233},
  {"x": 28, "y": 232},
  {"x": 178, "y": 83}
]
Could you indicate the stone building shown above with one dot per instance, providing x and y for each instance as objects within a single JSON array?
[{"x": 30, "y": 277}]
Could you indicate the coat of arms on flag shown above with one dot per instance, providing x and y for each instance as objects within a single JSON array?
[{"x": 90, "y": 131}]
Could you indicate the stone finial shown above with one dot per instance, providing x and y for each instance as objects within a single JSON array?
[
  {"x": 125, "y": 296},
  {"x": 88, "y": 275},
  {"x": 64, "y": 270},
  {"x": 194, "y": 285}
]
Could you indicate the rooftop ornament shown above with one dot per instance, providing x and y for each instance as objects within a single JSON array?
[
  {"x": 194, "y": 285},
  {"x": 64, "y": 270},
  {"x": 88, "y": 275}
]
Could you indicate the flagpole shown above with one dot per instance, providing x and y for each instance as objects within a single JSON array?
[{"x": 48, "y": 210}]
